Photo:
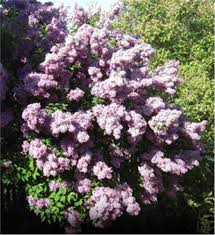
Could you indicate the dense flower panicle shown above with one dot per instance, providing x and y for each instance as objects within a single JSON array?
[
  {"x": 36, "y": 118},
  {"x": 39, "y": 25},
  {"x": 129, "y": 201},
  {"x": 152, "y": 183},
  {"x": 95, "y": 74},
  {"x": 68, "y": 146},
  {"x": 178, "y": 164},
  {"x": 75, "y": 94},
  {"x": 153, "y": 105},
  {"x": 193, "y": 130},
  {"x": 37, "y": 149},
  {"x": 61, "y": 123},
  {"x": 76, "y": 123},
  {"x": 165, "y": 124},
  {"x": 55, "y": 185},
  {"x": 25, "y": 146},
  {"x": 137, "y": 126},
  {"x": 105, "y": 207},
  {"x": 38, "y": 84},
  {"x": 109, "y": 118},
  {"x": 84, "y": 162},
  {"x": 83, "y": 185},
  {"x": 38, "y": 202},
  {"x": 107, "y": 204},
  {"x": 46, "y": 159},
  {"x": 73, "y": 218},
  {"x": 165, "y": 77},
  {"x": 102, "y": 171},
  {"x": 54, "y": 165},
  {"x": 123, "y": 59},
  {"x": 79, "y": 16}
]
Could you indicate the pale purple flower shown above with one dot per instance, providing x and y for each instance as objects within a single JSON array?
[
  {"x": 75, "y": 94},
  {"x": 38, "y": 202},
  {"x": 73, "y": 218},
  {"x": 102, "y": 171}
]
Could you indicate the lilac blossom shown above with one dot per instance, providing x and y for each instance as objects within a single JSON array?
[
  {"x": 107, "y": 204},
  {"x": 83, "y": 163},
  {"x": 193, "y": 130},
  {"x": 165, "y": 124},
  {"x": 75, "y": 94},
  {"x": 102, "y": 171},
  {"x": 36, "y": 118},
  {"x": 55, "y": 185},
  {"x": 46, "y": 159},
  {"x": 39, "y": 84},
  {"x": 153, "y": 105},
  {"x": 164, "y": 77},
  {"x": 83, "y": 185},
  {"x": 76, "y": 123},
  {"x": 73, "y": 218},
  {"x": 38, "y": 202},
  {"x": 152, "y": 183}
]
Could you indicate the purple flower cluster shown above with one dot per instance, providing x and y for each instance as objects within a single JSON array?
[
  {"x": 166, "y": 78},
  {"x": 82, "y": 184},
  {"x": 46, "y": 160},
  {"x": 193, "y": 130},
  {"x": 110, "y": 118},
  {"x": 152, "y": 183},
  {"x": 102, "y": 171},
  {"x": 74, "y": 220},
  {"x": 165, "y": 125},
  {"x": 107, "y": 204},
  {"x": 55, "y": 185},
  {"x": 38, "y": 202},
  {"x": 37, "y": 84},
  {"x": 79, "y": 16},
  {"x": 76, "y": 123},
  {"x": 35, "y": 118},
  {"x": 75, "y": 94}
]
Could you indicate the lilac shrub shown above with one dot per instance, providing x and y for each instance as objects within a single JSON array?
[{"x": 94, "y": 124}]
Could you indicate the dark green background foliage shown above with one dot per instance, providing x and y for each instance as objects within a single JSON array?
[{"x": 183, "y": 30}]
